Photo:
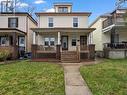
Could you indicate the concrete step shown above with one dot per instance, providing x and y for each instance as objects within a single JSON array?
[{"x": 69, "y": 57}]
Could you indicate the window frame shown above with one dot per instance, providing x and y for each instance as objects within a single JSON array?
[
  {"x": 49, "y": 41},
  {"x": 63, "y": 9},
  {"x": 75, "y": 22},
  {"x": 74, "y": 41},
  {"x": 1, "y": 38},
  {"x": 50, "y": 22},
  {"x": 13, "y": 25}
]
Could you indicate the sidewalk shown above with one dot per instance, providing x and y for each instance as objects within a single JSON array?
[{"x": 74, "y": 83}]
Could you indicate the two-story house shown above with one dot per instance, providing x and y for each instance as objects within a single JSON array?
[
  {"x": 110, "y": 36},
  {"x": 62, "y": 35},
  {"x": 15, "y": 32}
]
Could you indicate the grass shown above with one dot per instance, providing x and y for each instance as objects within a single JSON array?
[
  {"x": 107, "y": 78},
  {"x": 24, "y": 78}
]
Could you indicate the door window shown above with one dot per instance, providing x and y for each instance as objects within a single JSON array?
[
  {"x": 22, "y": 41},
  {"x": 83, "y": 40},
  {"x": 64, "y": 42}
]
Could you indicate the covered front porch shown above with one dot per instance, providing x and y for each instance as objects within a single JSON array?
[
  {"x": 12, "y": 40},
  {"x": 62, "y": 44},
  {"x": 117, "y": 46}
]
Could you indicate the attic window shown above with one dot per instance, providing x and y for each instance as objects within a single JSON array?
[{"x": 63, "y": 9}]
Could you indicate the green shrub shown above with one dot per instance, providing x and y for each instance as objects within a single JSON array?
[{"x": 4, "y": 54}]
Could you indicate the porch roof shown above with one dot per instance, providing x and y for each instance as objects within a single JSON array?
[
  {"x": 12, "y": 30},
  {"x": 117, "y": 27},
  {"x": 85, "y": 30}
]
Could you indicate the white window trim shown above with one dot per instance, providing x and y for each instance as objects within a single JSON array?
[
  {"x": 50, "y": 22},
  {"x": 49, "y": 38},
  {"x": 75, "y": 22}
]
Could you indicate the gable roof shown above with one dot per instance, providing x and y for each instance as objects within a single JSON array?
[{"x": 97, "y": 20}]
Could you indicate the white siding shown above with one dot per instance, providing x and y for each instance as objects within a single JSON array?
[
  {"x": 98, "y": 37},
  {"x": 63, "y": 21},
  {"x": 21, "y": 22}
]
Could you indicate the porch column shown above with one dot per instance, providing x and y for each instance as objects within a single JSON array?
[
  {"x": 15, "y": 49},
  {"x": 59, "y": 38},
  {"x": 58, "y": 47},
  {"x": 34, "y": 38}
]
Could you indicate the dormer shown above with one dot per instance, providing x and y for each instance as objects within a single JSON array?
[{"x": 63, "y": 7}]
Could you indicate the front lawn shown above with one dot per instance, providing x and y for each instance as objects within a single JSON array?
[
  {"x": 107, "y": 78},
  {"x": 24, "y": 78}
]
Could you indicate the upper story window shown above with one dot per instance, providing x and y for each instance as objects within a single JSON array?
[
  {"x": 63, "y": 9},
  {"x": 75, "y": 22},
  {"x": 12, "y": 22},
  {"x": 50, "y": 22}
]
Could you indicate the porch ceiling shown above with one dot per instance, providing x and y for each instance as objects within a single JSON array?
[
  {"x": 11, "y": 30},
  {"x": 84, "y": 30}
]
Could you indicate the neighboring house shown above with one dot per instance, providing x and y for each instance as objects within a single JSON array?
[
  {"x": 15, "y": 32},
  {"x": 62, "y": 35},
  {"x": 110, "y": 36}
]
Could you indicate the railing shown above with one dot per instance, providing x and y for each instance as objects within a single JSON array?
[
  {"x": 111, "y": 21},
  {"x": 122, "y": 45},
  {"x": 46, "y": 48},
  {"x": 40, "y": 51}
]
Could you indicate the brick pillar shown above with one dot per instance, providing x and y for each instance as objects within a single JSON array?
[
  {"x": 58, "y": 53},
  {"x": 91, "y": 48},
  {"x": 34, "y": 49}
]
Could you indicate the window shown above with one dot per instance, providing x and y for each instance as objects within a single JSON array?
[
  {"x": 12, "y": 22},
  {"x": 49, "y": 41},
  {"x": 50, "y": 22},
  {"x": 75, "y": 22},
  {"x": 52, "y": 41},
  {"x": 62, "y": 9},
  {"x": 46, "y": 41},
  {"x": 3, "y": 41},
  {"x": 73, "y": 42}
]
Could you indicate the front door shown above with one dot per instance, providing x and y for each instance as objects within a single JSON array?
[
  {"x": 21, "y": 42},
  {"x": 83, "y": 42},
  {"x": 64, "y": 42}
]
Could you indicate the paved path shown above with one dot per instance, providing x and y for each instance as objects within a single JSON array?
[{"x": 74, "y": 83}]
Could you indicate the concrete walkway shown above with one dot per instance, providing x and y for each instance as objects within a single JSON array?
[{"x": 74, "y": 83}]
